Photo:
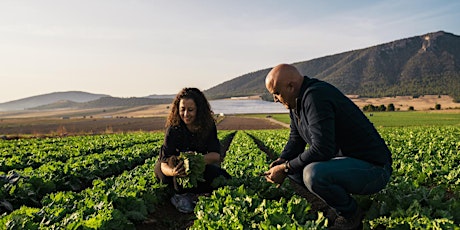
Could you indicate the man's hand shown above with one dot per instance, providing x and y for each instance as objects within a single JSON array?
[
  {"x": 277, "y": 162},
  {"x": 276, "y": 174}
]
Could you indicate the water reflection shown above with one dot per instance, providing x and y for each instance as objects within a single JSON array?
[{"x": 229, "y": 106}]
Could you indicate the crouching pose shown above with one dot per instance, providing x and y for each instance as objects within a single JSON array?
[
  {"x": 190, "y": 127},
  {"x": 346, "y": 154}
]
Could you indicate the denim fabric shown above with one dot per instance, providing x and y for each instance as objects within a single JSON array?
[{"x": 333, "y": 181}]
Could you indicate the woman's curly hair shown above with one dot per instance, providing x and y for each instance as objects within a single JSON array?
[{"x": 204, "y": 115}]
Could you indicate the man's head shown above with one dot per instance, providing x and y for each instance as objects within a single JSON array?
[{"x": 284, "y": 82}]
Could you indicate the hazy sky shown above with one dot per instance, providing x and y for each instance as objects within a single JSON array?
[{"x": 135, "y": 48}]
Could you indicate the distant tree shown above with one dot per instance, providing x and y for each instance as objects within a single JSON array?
[
  {"x": 369, "y": 108},
  {"x": 437, "y": 106},
  {"x": 382, "y": 108},
  {"x": 411, "y": 108},
  {"x": 391, "y": 107}
]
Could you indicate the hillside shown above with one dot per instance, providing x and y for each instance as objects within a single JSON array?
[
  {"x": 422, "y": 65},
  {"x": 44, "y": 99},
  {"x": 105, "y": 102},
  {"x": 81, "y": 100}
]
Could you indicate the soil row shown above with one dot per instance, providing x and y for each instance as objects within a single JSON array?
[{"x": 63, "y": 127}]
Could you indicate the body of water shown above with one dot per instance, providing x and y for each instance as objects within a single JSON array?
[{"x": 229, "y": 106}]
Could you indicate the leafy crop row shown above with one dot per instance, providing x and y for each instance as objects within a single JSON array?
[
  {"x": 23, "y": 153},
  {"x": 27, "y": 186},
  {"x": 116, "y": 202},
  {"x": 74, "y": 174},
  {"x": 424, "y": 189},
  {"x": 248, "y": 201},
  {"x": 423, "y": 192}
]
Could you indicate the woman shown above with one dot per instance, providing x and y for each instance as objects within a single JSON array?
[{"x": 190, "y": 127}]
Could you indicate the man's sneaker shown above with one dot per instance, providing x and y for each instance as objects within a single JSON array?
[
  {"x": 353, "y": 222},
  {"x": 183, "y": 203}
]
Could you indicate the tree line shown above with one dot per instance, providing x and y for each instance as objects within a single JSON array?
[{"x": 390, "y": 107}]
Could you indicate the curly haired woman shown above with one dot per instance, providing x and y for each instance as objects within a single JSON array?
[{"x": 190, "y": 127}]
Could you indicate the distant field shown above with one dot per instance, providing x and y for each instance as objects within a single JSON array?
[{"x": 401, "y": 119}]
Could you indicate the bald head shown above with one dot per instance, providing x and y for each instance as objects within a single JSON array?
[
  {"x": 282, "y": 73},
  {"x": 284, "y": 82}
]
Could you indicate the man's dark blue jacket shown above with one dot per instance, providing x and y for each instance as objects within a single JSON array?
[{"x": 332, "y": 125}]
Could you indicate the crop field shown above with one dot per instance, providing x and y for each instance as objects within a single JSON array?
[
  {"x": 401, "y": 119},
  {"x": 107, "y": 182}
]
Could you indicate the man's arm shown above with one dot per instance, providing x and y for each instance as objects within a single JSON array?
[
  {"x": 321, "y": 118},
  {"x": 295, "y": 144}
]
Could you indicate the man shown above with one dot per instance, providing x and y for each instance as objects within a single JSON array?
[{"x": 346, "y": 154}]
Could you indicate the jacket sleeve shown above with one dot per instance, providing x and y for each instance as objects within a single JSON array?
[
  {"x": 319, "y": 112},
  {"x": 295, "y": 143}
]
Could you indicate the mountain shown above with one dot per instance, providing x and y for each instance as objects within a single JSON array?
[
  {"x": 161, "y": 96},
  {"x": 419, "y": 65},
  {"x": 104, "y": 102},
  {"x": 126, "y": 102},
  {"x": 78, "y": 99},
  {"x": 44, "y": 99},
  {"x": 57, "y": 105}
]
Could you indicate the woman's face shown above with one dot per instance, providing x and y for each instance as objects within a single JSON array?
[{"x": 187, "y": 110}]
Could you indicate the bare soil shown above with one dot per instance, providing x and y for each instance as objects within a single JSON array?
[
  {"x": 152, "y": 118},
  {"x": 167, "y": 217},
  {"x": 63, "y": 127},
  {"x": 80, "y": 126}
]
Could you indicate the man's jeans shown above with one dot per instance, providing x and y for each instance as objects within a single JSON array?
[{"x": 333, "y": 181}]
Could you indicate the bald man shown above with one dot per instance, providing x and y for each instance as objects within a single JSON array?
[{"x": 346, "y": 154}]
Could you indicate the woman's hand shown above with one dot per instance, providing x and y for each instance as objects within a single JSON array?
[{"x": 178, "y": 170}]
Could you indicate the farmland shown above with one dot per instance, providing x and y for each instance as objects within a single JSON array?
[
  {"x": 106, "y": 181},
  {"x": 399, "y": 119}
]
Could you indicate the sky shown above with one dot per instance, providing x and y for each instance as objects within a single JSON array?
[{"x": 136, "y": 48}]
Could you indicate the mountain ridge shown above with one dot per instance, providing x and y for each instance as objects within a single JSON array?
[
  {"x": 427, "y": 64},
  {"x": 419, "y": 65},
  {"x": 43, "y": 99},
  {"x": 81, "y": 99}
]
